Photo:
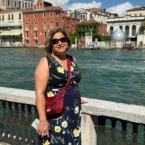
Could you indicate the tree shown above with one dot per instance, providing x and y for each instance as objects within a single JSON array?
[{"x": 86, "y": 27}]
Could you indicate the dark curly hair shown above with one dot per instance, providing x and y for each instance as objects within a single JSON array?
[{"x": 52, "y": 32}]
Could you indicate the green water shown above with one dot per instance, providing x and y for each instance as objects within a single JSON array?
[{"x": 113, "y": 75}]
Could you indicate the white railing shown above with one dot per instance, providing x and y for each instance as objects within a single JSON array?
[{"x": 94, "y": 107}]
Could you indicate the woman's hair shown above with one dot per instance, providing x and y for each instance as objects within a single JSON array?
[{"x": 52, "y": 32}]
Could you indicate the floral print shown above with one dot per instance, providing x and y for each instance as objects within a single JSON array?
[
  {"x": 60, "y": 69},
  {"x": 76, "y": 132},
  {"x": 50, "y": 94},
  {"x": 65, "y": 128}
]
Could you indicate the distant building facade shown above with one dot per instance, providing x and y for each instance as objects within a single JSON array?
[
  {"x": 41, "y": 19},
  {"x": 29, "y": 27},
  {"x": 11, "y": 30},
  {"x": 99, "y": 15},
  {"x": 139, "y": 11},
  {"x": 16, "y": 4},
  {"x": 131, "y": 24}
]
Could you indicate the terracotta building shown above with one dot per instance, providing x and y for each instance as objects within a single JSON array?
[
  {"x": 38, "y": 21},
  {"x": 69, "y": 23}
]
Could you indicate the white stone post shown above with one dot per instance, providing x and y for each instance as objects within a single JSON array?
[{"x": 88, "y": 130}]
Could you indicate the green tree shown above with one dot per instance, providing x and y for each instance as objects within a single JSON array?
[
  {"x": 86, "y": 27},
  {"x": 72, "y": 37}
]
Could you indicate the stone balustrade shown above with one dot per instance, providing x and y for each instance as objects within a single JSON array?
[{"x": 103, "y": 122}]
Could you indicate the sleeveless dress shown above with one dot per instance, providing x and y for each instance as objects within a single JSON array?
[{"x": 64, "y": 128}]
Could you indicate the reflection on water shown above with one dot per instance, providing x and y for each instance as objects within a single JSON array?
[{"x": 106, "y": 74}]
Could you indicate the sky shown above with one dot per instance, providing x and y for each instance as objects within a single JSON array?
[{"x": 113, "y": 6}]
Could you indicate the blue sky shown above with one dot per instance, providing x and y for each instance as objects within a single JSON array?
[
  {"x": 110, "y": 3},
  {"x": 113, "y": 6}
]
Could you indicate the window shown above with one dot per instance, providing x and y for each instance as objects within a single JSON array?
[
  {"x": 19, "y": 16},
  {"x": 19, "y": 4},
  {"x": 45, "y": 34},
  {"x": 26, "y": 25},
  {"x": 8, "y": 16},
  {"x": 45, "y": 25},
  {"x": 12, "y": 17},
  {"x": 51, "y": 24},
  {"x": 26, "y": 16},
  {"x": 35, "y": 24},
  {"x": 2, "y": 17},
  {"x": 23, "y": 5},
  {"x": 56, "y": 24},
  {"x": 127, "y": 30},
  {"x": 15, "y": 4},
  {"x": 35, "y": 34},
  {"x": 133, "y": 30},
  {"x": 8, "y": 2},
  {"x": 44, "y": 14},
  {"x": 35, "y": 15},
  {"x": 26, "y": 5},
  {"x": 27, "y": 34}
]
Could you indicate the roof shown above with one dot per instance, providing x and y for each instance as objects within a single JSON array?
[{"x": 136, "y": 9}]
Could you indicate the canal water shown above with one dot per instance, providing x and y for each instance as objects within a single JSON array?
[{"x": 112, "y": 75}]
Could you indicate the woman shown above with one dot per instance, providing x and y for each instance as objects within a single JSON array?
[{"x": 50, "y": 77}]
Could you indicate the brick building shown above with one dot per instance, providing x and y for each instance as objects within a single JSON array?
[{"x": 38, "y": 21}]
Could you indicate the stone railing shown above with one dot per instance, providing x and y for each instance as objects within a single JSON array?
[{"x": 103, "y": 122}]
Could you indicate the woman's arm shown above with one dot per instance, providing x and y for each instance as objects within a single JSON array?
[{"x": 41, "y": 80}]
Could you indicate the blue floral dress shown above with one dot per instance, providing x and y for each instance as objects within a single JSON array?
[{"x": 65, "y": 128}]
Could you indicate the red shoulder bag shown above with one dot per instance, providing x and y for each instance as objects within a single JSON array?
[{"x": 54, "y": 105}]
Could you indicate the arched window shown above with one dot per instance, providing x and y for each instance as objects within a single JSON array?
[
  {"x": 127, "y": 30},
  {"x": 120, "y": 27},
  {"x": 133, "y": 30},
  {"x": 111, "y": 30}
]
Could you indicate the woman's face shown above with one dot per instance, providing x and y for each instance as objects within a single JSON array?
[{"x": 59, "y": 43}]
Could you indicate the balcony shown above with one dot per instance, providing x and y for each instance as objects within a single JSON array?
[
  {"x": 14, "y": 24},
  {"x": 103, "y": 122}
]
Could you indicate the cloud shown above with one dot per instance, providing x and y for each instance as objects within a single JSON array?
[
  {"x": 84, "y": 5},
  {"x": 58, "y": 2},
  {"x": 64, "y": 4},
  {"x": 120, "y": 9}
]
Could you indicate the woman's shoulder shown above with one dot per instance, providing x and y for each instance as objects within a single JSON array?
[{"x": 43, "y": 60}]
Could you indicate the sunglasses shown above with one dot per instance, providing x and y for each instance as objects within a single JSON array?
[{"x": 55, "y": 41}]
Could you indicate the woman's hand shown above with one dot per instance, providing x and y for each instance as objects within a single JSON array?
[
  {"x": 83, "y": 101},
  {"x": 43, "y": 128}
]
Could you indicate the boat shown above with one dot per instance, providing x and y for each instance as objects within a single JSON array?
[{"x": 127, "y": 47}]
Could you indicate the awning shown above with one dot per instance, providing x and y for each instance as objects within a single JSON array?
[{"x": 11, "y": 33}]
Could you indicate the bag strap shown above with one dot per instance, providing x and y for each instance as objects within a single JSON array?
[{"x": 69, "y": 72}]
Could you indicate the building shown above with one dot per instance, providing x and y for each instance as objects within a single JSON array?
[
  {"x": 29, "y": 27},
  {"x": 11, "y": 29},
  {"x": 69, "y": 23},
  {"x": 16, "y": 4},
  {"x": 139, "y": 11},
  {"x": 99, "y": 15},
  {"x": 38, "y": 21},
  {"x": 130, "y": 24}
]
